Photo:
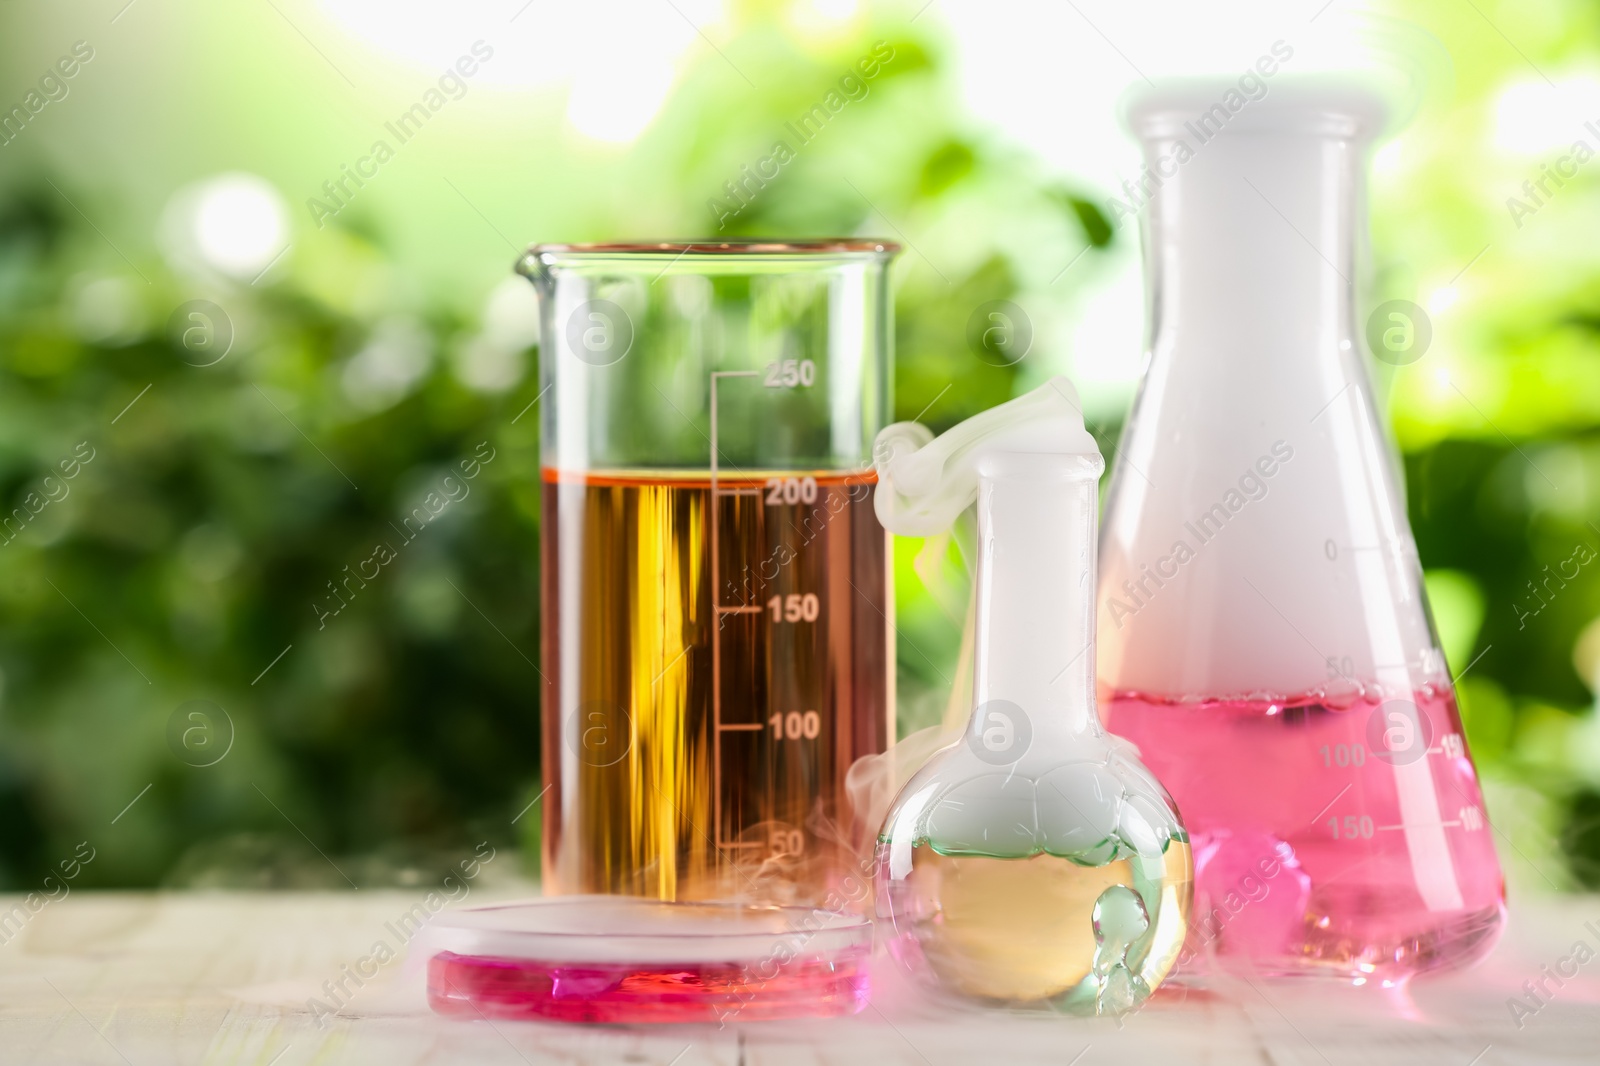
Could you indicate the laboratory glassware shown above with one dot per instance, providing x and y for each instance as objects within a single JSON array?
[
  {"x": 1035, "y": 861},
  {"x": 1264, "y": 632},
  {"x": 716, "y": 604},
  {"x": 626, "y": 960}
]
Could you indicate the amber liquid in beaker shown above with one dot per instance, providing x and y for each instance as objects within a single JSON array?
[{"x": 715, "y": 656}]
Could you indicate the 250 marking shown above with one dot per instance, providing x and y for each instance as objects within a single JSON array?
[{"x": 787, "y": 373}]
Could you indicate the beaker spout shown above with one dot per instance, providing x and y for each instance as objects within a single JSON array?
[{"x": 532, "y": 267}]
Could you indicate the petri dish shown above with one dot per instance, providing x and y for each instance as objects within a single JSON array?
[{"x": 623, "y": 959}]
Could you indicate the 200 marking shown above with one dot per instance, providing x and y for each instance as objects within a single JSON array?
[{"x": 782, "y": 490}]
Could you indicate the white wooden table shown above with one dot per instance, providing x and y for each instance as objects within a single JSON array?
[{"x": 147, "y": 979}]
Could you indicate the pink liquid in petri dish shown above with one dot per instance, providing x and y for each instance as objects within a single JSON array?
[
  {"x": 1346, "y": 839},
  {"x": 498, "y": 987},
  {"x": 627, "y": 959}
]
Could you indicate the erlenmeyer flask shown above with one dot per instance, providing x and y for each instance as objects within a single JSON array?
[{"x": 1264, "y": 635}]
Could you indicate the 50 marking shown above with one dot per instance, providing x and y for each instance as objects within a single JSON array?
[{"x": 787, "y": 842}]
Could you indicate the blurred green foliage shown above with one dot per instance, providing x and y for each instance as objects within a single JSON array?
[
  {"x": 1497, "y": 422},
  {"x": 203, "y": 551},
  {"x": 200, "y": 541}
]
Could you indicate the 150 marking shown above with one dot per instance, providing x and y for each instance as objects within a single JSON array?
[
  {"x": 1360, "y": 826},
  {"x": 1352, "y": 827},
  {"x": 795, "y": 607}
]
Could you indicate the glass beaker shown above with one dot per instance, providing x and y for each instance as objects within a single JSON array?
[
  {"x": 1264, "y": 632},
  {"x": 716, "y": 636}
]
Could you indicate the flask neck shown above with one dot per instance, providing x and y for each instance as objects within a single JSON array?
[
  {"x": 1252, "y": 239},
  {"x": 1034, "y": 625}
]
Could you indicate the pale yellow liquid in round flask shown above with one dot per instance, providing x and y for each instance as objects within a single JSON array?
[
  {"x": 1027, "y": 930},
  {"x": 1024, "y": 929}
]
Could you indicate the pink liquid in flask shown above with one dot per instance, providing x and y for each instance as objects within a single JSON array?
[{"x": 1346, "y": 837}]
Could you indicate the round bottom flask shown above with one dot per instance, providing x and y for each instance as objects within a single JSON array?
[
  {"x": 1090, "y": 931},
  {"x": 1035, "y": 862}
]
